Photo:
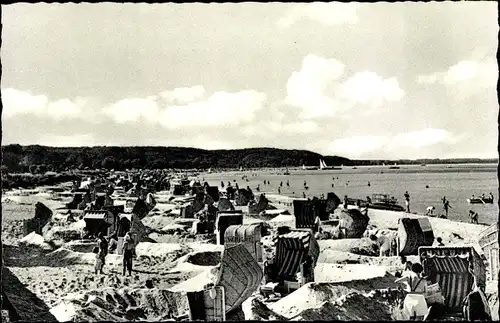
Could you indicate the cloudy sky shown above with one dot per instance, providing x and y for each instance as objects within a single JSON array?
[{"x": 373, "y": 80}]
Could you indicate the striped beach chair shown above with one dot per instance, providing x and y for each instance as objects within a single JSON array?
[
  {"x": 291, "y": 250},
  {"x": 451, "y": 268},
  {"x": 240, "y": 276},
  {"x": 414, "y": 233},
  {"x": 305, "y": 212}
]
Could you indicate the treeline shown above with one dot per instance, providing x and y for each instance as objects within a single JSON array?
[{"x": 40, "y": 159}]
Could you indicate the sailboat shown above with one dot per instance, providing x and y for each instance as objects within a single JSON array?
[
  {"x": 394, "y": 167},
  {"x": 323, "y": 166}
]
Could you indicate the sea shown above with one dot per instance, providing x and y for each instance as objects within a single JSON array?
[{"x": 426, "y": 184}]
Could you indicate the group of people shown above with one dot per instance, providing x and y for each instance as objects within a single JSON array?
[
  {"x": 483, "y": 197},
  {"x": 104, "y": 248}
]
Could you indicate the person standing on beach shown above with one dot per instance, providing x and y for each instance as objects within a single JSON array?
[
  {"x": 221, "y": 184},
  {"x": 128, "y": 247},
  {"x": 102, "y": 244},
  {"x": 345, "y": 202},
  {"x": 279, "y": 190},
  {"x": 407, "y": 201},
  {"x": 446, "y": 206}
]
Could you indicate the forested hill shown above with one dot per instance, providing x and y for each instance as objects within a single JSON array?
[{"x": 42, "y": 158}]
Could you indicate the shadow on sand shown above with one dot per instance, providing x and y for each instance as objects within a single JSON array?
[{"x": 27, "y": 306}]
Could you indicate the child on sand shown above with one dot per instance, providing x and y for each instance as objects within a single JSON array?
[{"x": 98, "y": 260}]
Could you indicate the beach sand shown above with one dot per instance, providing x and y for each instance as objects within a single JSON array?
[{"x": 55, "y": 275}]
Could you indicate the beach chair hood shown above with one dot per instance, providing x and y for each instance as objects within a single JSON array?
[{"x": 450, "y": 267}]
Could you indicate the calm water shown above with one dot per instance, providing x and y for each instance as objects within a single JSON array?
[{"x": 456, "y": 182}]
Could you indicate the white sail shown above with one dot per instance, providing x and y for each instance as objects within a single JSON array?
[
  {"x": 322, "y": 164},
  {"x": 303, "y": 167}
]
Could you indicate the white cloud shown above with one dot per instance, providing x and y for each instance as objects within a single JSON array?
[
  {"x": 368, "y": 87},
  {"x": 130, "y": 110},
  {"x": 422, "y": 138},
  {"x": 219, "y": 109},
  {"x": 183, "y": 95},
  {"x": 305, "y": 89},
  {"x": 332, "y": 13},
  {"x": 466, "y": 77},
  {"x": 16, "y": 102},
  {"x": 357, "y": 146},
  {"x": 319, "y": 92}
]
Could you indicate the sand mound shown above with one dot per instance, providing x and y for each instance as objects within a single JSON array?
[
  {"x": 376, "y": 306},
  {"x": 157, "y": 222},
  {"x": 182, "y": 238},
  {"x": 392, "y": 264},
  {"x": 255, "y": 310},
  {"x": 208, "y": 276},
  {"x": 363, "y": 246},
  {"x": 122, "y": 305},
  {"x": 341, "y": 273},
  {"x": 312, "y": 295},
  {"x": 159, "y": 250}
]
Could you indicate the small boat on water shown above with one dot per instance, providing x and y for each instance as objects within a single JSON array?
[
  {"x": 379, "y": 202},
  {"x": 480, "y": 200},
  {"x": 309, "y": 167}
]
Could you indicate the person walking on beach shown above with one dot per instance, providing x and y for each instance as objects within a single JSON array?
[
  {"x": 407, "y": 201},
  {"x": 128, "y": 248},
  {"x": 446, "y": 206},
  {"x": 221, "y": 184},
  {"x": 102, "y": 244}
]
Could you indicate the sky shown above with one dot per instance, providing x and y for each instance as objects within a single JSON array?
[{"x": 360, "y": 80}]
